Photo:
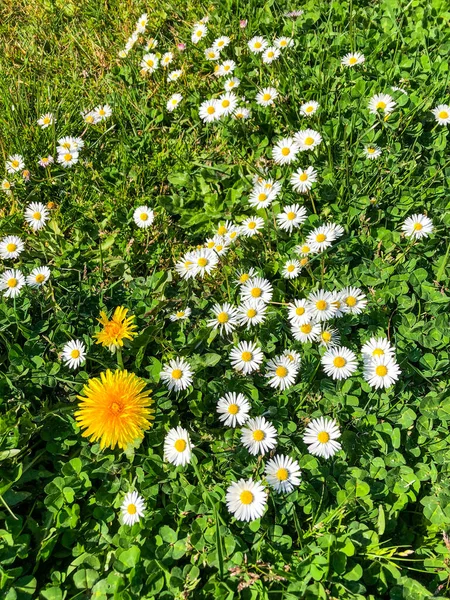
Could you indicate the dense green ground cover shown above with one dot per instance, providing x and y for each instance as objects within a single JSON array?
[{"x": 369, "y": 523}]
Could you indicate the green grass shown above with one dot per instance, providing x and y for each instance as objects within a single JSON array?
[{"x": 367, "y": 524}]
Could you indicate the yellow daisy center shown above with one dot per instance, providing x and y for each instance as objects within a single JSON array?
[
  {"x": 352, "y": 60},
  {"x": 350, "y": 301},
  {"x": 75, "y": 353},
  {"x": 246, "y": 497},
  {"x": 290, "y": 268},
  {"x": 11, "y": 247},
  {"x": 381, "y": 371},
  {"x": 244, "y": 277},
  {"x": 270, "y": 55},
  {"x": 309, "y": 141},
  {"x": 291, "y": 216},
  {"x": 210, "y": 110},
  {"x": 267, "y": 97},
  {"x": 46, "y": 120},
  {"x": 246, "y": 356},
  {"x": 321, "y": 237},
  {"x": 323, "y": 437},
  {"x": 339, "y": 362},
  {"x": 418, "y": 226},
  {"x": 303, "y": 177},
  {"x": 262, "y": 197},
  {"x": 251, "y": 225},
  {"x": 281, "y": 371},
  {"x": 233, "y": 409},
  {"x": 305, "y": 249},
  {"x": 222, "y": 230},
  {"x": 285, "y": 151},
  {"x": 326, "y": 336},
  {"x": 12, "y": 282},
  {"x": 303, "y": 262},
  {"x": 378, "y": 352},
  {"x": 223, "y": 317},
  {"x": 143, "y": 216},
  {"x": 131, "y": 509},
  {"x": 381, "y": 105},
  {"x": 258, "y": 435},
  {"x": 177, "y": 374},
  {"x": 37, "y": 216},
  {"x": 225, "y": 103},
  {"x": 258, "y": 44},
  {"x": 202, "y": 262},
  {"x": 256, "y": 292},
  {"x": 180, "y": 445},
  {"x": 282, "y": 474},
  {"x": 309, "y": 109},
  {"x": 443, "y": 114},
  {"x": 251, "y": 313},
  {"x": 306, "y": 328},
  {"x": 15, "y": 163},
  {"x": 321, "y": 305},
  {"x": 40, "y": 278},
  {"x": 67, "y": 157},
  {"x": 180, "y": 314},
  {"x": 299, "y": 311}
]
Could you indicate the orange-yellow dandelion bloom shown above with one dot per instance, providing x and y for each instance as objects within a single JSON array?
[
  {"x": 114, "y": 331},
  {"x": 114, "y": 409}
]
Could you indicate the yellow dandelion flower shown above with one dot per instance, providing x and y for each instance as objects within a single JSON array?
[
  {"x": 114, "y": 331},
  {"x": 114, "y": 409}
]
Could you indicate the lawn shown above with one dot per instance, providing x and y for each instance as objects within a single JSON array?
[{"x": 224, "y": 303}]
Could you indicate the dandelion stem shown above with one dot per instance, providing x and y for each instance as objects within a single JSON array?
[{"x": 119, "y": 358}]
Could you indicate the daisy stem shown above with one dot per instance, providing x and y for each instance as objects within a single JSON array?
[
  {"x": 312, "y": 202},
  {"x": 322, "y": 269},
  {"x": 119, "y": 358}
]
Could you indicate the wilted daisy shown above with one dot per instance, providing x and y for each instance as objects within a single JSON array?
[
  {"x": 306, "y": 332},
  {"x": 293, "y": 357},
  {"x": 261, "y": 197},
  {"x": 281, "y": 372},
  {"x": 246, "y": 357},
  {"x": 339, "y": 363},
  {"x": 283, "y": 42},
  {"x": 116, "y": 330},
  {"x": 309, "y": 108},
  {"x": 329, "y": 336},
  {"x": 246, "y": 499},
  {"x": 173, "y": 102},
  {"x": 177, "y": 374},
  {"x": 285, "y": 151},
  {"x": 228, "y": 103},
  {"x": 353, "y": 300},
  {"x": 251, "y": 226},
  {"x": 102, "y": 112},
  {"x": 270, "y": 54},
  {"x": 382, "y": 102},
  {"x": 36, "y": 215},
  {"x": 231, "y": 83},
  {"x": 11, "y": 246},
  {"x": 225, "y": 318},
  {"x": 46, "y": 161},
  {"x": 417, "y": 226},
  {"x": 181, "y": 315},
  {"x": 302, "y": 180},
  {"x": 205, "y": 260},
  {"x": 282, "y": 473},
  {"x": 255, "y": 288},
  {"x": 371, "y": 151},
  {"x": 257, "y": 44},
  {"x": 221, "y": 43},
  {"x": 11, "y": 282},
  {"x": 209, "y": 111},
  {"x": 381, "y": 371},
  {"x": 7, "y": 186},
  {"x": 291, "y": 269},
  {"x": 199, "y": 32},
  {"x": 174, "y": 75},
  {"x": 442, "y": 114},
  {"x": 233, "y": 409},
  {"x": 149, "y": 63},
  {"x": 307, "y": 139},
  {"x": 178, "y": 447},
  {"x": 242, "y": 113},
  {"x": 46, "y": 120},
  {"x": 74, "y": 354},
  {"x": 132, "y": 508},
  {"x": 252, "y": 312},
  {"x": 69, "y": 144},
  {"x": 320, "y": 305},
  {"x": 68, "y": 158},
  {"x": 166, "y": 59},
  {"x": 298, "y": 312},
  {"x": 245, "y": 276},
  {"x": 212, "y": 54},
  {"x": 353, "y": 58},
  {"x": 38, "y": 276},
  {"x": 320, "y": 436},
  {"x": 266, "y": 96},
  {"x": 259, "y": 436},
  {"x": 114, "y": 410},
  {"x": 15, "y": 163},
  {"x": 291, "y": 217},
  {"x": 377, "y": 347}
]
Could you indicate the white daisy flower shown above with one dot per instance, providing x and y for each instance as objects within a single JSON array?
[
  {"x": 306, "y": 332},
  {"x": 257, "y": 44},
  {"x": 141, "y": 24},
  {"x": 231, "y": 84},
  {"x": 132, "y": 508},
  {"x": 251, "y": 226},
  {"x": 320, "y": 436},
  {"x": 261, "y": 197},
  {"x": 102, "y": 112},
  {"x": 246, "y": 499},
  {"x": 246, "y": 357},
  {"x": 219, "y": 244},
  {"x": 69, "y": 144},
  {"x": 152, "y": 43},
  {"x": 291, "y": 269},
  {"x": 245, "y": 276},
  {"x": 74, "y": 354},
  {"x": 46, "y": 161},
  {"x": 46, "y": 120},
  {"x": 252, "y": 312},
  {"x": 267, "y": 96},
  {"x": 242, "y": 113},
  {"x": 225, "y": 318},
  {"x": 307, "y": 139},
  {"x": 233, "y": 409},
  {"x": 90, "y": 117},
  {"x": 177, "y": 374},
  {"x": 298, "y": 312},
  {"x": 376, "y": 347},
  {"x": 221, "y": 43},
  {"x": 293, "y": 356},
  {"x": 372, "y": 152},
  {"x": 186, "y": 266},
  {"x": 338, "y": 302},
  {"x": 283, "y": 473},
  {"x": 417, "y": 226},
  {"x": 68, "y": 159},
  {"x": 199, "y": 32},
  {"x": 283, "y": 42},
  {"x": 442, "y": 114},
  {"x": 209, "y": 111},
  {"x": 255, "y": 288},
  {"x": 38, "y": 276},
  {"x": 212, "y": 54},
  {"x": 11, "y": 246},
  {"x": 181, "y": 315},
  {"x": 302, "y": 180},
  {"x": 258, "y": 436},
  {"x": 12, "y": 281},
  {"x": 292, "y": 217},
  {"x": 226, "y": 68},
  {"x": 339, "y": 362},
  {"x": 309, "y": 108},
  {"x": 382, "y": 102},
  {"x": 166, "y": 59},
  {"x": 178, "y": 447},
  {"x": 228, "y": 230},
  {"x": 173, "y": 102},
  {"x": 174, "y": 75},
  {"x": 353, "y": 300},
  {"x": 205, "y": 260},
  {"x": 281, "y": 372},
  {"x": 15, "y": 163},
  {"x": 149, "y": 63},
  {"x": 7, "y": 186},
  {"x": 304, "y": 250},
  {"x": 228, "y": 103},
  {"x": 285, "y": 151},
  {"x": 329, "y": 336},
  {"x": 321, "y": 238},
  {"x": 270, "y": 54},
  {"x": 352, "y": 59},
  {"x": 320, "y": 305},
  {"x": 381, "y": 371},
  {"x": 36, "y": 215},
  {"x": 143, "y": 216},
  {"x": 394, "y": 88}
]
